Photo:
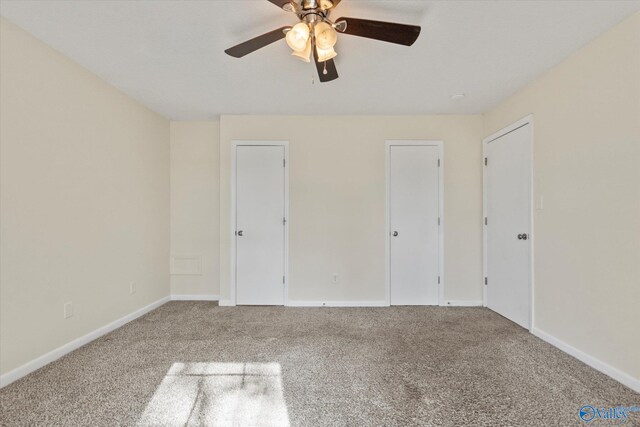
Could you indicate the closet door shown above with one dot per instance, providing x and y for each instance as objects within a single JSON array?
[
  {"x": 260, "y": 225},
  {"x": 414, "y": 224}
]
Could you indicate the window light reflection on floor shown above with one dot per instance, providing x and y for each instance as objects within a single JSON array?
[{"x": 219, "y": 394}]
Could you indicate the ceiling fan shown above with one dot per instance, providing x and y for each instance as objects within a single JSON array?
[{"x": 316, "y": 35}]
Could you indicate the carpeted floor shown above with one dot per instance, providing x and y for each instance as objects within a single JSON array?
[{"x": 194, "y": 363}]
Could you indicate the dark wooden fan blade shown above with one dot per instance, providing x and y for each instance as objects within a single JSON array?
[
  {"x": 256, "y": 43},
  {"x": 279, "y": 3},
  {"x": 386, "y": 31},
  {"x": 330, "y": 66}
]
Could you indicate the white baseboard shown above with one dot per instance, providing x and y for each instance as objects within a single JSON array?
[
  {"x": 195, "y": 297},
  {"x": 462, "y": 303},
  {"x": 336, "y": 304},
  {"x": 53, "y": 355},
  {"x": 291, "y": 303},
  {"x": 616, "y": 374}
]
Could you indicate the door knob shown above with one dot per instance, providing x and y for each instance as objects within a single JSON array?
[
  {"x": 239, "y": 233},
  {"x": 395, "y": 233}
]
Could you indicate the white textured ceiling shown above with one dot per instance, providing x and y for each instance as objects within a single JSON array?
[{"x": 169, "y": 54}]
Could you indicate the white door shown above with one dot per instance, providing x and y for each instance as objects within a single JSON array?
[
  {"x": 508, "y": 210},
  {"x": 260, "y": 227},
  {"x": 414, "y": 224}
]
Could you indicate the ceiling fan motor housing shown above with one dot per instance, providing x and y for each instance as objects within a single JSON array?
[{"x": 317, "y": 4}]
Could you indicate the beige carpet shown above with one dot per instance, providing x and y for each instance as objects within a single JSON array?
[{"x": 193, "y": 363}]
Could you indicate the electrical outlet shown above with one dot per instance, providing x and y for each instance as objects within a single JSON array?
[
  {"x": 132, "y": 288},
  {"x": 334, "y": 278},
  {"x": 68, "y": 309}
]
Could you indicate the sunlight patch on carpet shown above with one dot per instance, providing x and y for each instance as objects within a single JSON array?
[{"x": 220, "y": 394}]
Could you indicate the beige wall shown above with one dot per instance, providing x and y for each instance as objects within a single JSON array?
[
  {"x": 587, "y": 170},
  {"x": 84, "y": 200},
  {"x": 337, "y": 200},
  {"x": 195, "y": 205}
]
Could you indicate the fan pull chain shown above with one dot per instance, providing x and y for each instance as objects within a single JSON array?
[{"x": 325, "y": 72}]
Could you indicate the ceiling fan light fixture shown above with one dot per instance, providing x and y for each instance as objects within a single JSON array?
[
  {"x": 315, "y": 35},
  {"x": 326, "y": 54},
  {"x": 326, "y": 36},
  {"x": 298, "y": 37},
  {"x": 304, "y": 55}
]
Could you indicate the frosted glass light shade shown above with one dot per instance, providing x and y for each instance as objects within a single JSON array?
[
  {"x": 298, "y": 36},
  {"x": 326, "y": 36},
  {"x": 304, "y": 55},
  {"x": 326, "y": 54}
]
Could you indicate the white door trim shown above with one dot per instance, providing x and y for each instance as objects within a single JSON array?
[
  {"x": 528, "y": 120},
  {"x": 440, "y": 145},
  {"x": 232, "y": 255}
]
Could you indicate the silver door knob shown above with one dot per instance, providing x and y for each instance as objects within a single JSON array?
[
  {"x": 395, "y": 234},
  {"x": 239, "y": 233}
]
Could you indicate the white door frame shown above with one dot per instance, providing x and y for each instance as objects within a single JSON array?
[
  {"x": 528, "y": 120},
  {"x": 234, "y": 145},
  {"x": 440, "y": 145}
]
